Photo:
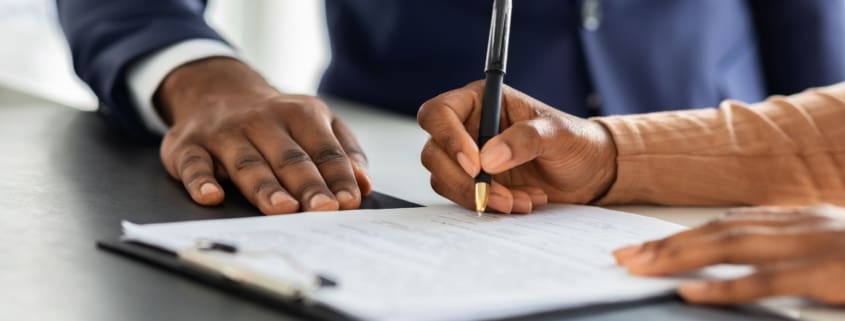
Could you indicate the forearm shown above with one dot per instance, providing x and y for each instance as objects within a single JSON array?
[
  {"x": 786, "y": 151},
  {"x": 106, "y": 37}
]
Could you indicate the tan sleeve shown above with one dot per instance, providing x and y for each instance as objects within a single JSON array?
[{"x": 783, "y": 151}]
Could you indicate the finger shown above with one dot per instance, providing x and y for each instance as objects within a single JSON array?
[
  {"x": 765, "y": 283},
  {"x": 253, "y": 177},
  {"x": 318, "y": 140},
  {"x": 521, "y": 202},
  {"x": 515, "y": 146},
  {"x": 293, "y": 168},
  {"x": 444, "y": 116},
  {"x": 622, "y": 254},
  {"x": 449, "y": 180},
  {"x": 356, "y": 154},
  {"x": 194, "y": 167},
  {"x": 747, "y": 245},
  {"x": 726, "y": 223},
  {"x": 501, "y": 199},
  {"x": 538, "y": 196},
  {"x": 769, "y": 211}
]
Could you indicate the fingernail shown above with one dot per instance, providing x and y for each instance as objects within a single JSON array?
[
  {"x": 466, "y": 164},
  {"x": 495, "y": 157},
  {"x": 322, "y": 202},
  {"x": 278, "y": 197},
  {"x": 208, "y": 188},
  {"x": 344, "y": 196},
  {"x": 694, "y": 287}
]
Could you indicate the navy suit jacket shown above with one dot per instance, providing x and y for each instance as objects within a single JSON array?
[{"x": 640, "y": 56}]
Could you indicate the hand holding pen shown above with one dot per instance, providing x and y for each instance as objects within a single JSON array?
[{"x": 541, "y": 155}]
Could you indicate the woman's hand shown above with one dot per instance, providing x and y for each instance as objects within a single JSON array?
[
  {"x": 541, "y": 155},
  {"x": 797, "y": 252}
]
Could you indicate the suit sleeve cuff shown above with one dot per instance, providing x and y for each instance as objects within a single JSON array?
[
  {"x": 145, "y": 75},
  {"x": 632, "y": 169}
]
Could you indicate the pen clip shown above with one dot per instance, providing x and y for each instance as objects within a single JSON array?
[{"x": 497, "y": 42}]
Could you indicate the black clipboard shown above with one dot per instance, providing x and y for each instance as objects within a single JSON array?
[{"x": 169, "y": 261}]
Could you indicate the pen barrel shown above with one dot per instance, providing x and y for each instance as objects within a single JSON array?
[
  {"x": 491, "y": 110},
  {"x": 491, "y": 107}
]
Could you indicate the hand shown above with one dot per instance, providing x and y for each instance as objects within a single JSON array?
[
  {"x": 285, "y": 153},
  {"x": 541, "y": 155},
  {"x": 797, "y": 252}
]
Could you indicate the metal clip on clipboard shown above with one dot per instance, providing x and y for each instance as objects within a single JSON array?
[{"x": 216, "y": 256}]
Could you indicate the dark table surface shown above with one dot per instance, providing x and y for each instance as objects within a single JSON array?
[{"x": 67, "y": 181}]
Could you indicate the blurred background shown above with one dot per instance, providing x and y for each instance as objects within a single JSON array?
[{"x": 37, "y": 66}]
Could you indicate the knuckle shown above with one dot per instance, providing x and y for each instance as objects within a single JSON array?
[
  {"x": 424, "y": 112},
  {"x": 655, "y": 246},
  {"x": 263, "y": 185},
  {"x": 732, "y": 236},
  {"x": 357, "y": 152},
  {"x": 329, "y": 154},
  {"x": 314, "y": 102},
  {"x": 169, "y": 144},
  {"x": 303, "y": 105},
  {"x": 450, "y": 143},
  {"x": 429, "y": 113},
  {"x": 359, "y": 157},
  {"x": 292, "y": 158},
  {"x": 246, "y": 161},
  {"x": 672, "y": 252},
  {"x": 310, "y": 187},
  {"x": 244, "y": 120},
  {"x": 427, "y": 155},
  {"x": 190, "y": 160},
  {"x": 438, "y": 186},
  {"x": 338, "y": 183},
  {"x": 728, "y": 242},
  {"x": 309, "y": 101},
  {"x": 198, "y": 177},
  {"x": 529, "y": 132}
]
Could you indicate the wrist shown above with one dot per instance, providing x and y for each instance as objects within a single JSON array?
[
  {"x": 609, "y": 169},
  {"x": 192, "y": 85}
]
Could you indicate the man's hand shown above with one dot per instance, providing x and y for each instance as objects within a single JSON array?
[
  {"x": 285, "y": 153},
  {"x": 541, "y": 154},
  {"x": 797, "y": 252}
]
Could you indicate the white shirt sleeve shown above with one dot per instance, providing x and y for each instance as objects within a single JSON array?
[{"x": 144, "y": 76}]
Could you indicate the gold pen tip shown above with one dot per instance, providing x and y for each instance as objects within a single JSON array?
[{"x": 481, "y": 197}]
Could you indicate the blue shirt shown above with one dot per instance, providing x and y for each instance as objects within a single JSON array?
[{"x": 585, "y": 57}]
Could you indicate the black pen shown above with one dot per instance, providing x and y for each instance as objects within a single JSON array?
[{"x": 491, "y": 104}]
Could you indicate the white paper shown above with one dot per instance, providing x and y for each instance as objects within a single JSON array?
[{"x": 441, "y": 263}]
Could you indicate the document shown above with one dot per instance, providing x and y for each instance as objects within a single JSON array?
[{"x": 442, "y": 262}]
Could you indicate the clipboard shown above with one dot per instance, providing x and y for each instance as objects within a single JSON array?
[
  {"x": 173, "y": 263},
  {"x": 314, "y": 310}
]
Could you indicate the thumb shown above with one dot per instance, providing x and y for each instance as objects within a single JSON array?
[{"x": 517, "y": 145}]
